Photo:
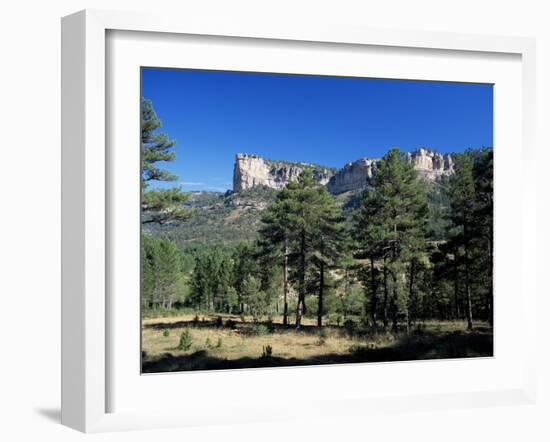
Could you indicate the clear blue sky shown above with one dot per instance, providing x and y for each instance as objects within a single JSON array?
[{"x": 326, "y": 120}]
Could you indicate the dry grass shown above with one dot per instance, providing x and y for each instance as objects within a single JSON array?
[{"x": 238, "y": 347}]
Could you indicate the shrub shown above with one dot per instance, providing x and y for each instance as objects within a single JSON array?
[
  {"x": 208, "y": 343},
  {"x": 166, "y": 333},
  {"x": 219, "y": 343},
  {"x": 186, "y": 341},
  {"x": 196, "y": 319},
  {"x": 270, "y": 325},
  {"x": 261, "y": 330},
  {"x": 219, "y": 321}
]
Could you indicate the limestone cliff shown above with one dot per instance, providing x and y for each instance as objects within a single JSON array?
[
  {"x": 252, "y": 170},
  {"x": 352, "y": 176},
  {"x": 431, "y": 164}
]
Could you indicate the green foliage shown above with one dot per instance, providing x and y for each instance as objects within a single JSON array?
[
  {"x": 186, "y": 340},
  {"x": 155, "y": 146},
  {"x": 166, "y": 333},
  {"x": 261, "y": 330},
  {"x": 222, "y": 219},
  {"x": 163, "y": 206},
  {"x": 161, "y": 276},
  {"x": 211, "y": 281},
  {"x": 158, "y": 205},
  {"x": 303, "y": 231},
  {"x": 391, "y": 225},
  {"x": 412, "y": 250},
  {"x": 255, "y": 299}
]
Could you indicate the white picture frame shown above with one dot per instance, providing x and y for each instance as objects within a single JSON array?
[{"x": 86, "y": 212}]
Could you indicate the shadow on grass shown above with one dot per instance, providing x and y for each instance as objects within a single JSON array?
[
  {"x": 458, "y": 344},
  {"x": 244, "y": 327}
]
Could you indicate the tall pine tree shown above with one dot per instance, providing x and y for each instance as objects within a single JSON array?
[
  {"x": 462, "y": 196},
  {"x": 395, "y": 217},
  {"x": 158, "y": 205}
]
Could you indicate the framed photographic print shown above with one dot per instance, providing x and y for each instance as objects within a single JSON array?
[{"x": 323, "y": 210}]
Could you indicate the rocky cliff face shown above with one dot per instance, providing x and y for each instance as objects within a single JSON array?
[
  {"x": 431, "y": 164},
  {"x": 356, "y": 175},
  {"x": 352, "y": 176},
  {"x": 251, "y": 170}
]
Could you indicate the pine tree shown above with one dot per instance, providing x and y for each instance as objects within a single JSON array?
[
  {"x": 200, "y": 283},
  {"x": 394, "y": 217},
  {"x": 253, "y": 297},
  {"x": 328, "y": 245},
  {"x": 303, "y": 228},
  {"x": 147, "y": 275},
  {"x": 245, "y": 263},
  {"x": 370, "y": 234},
  {"x": 483, "y": 175},
  {"x": 166, "y": 272},
  {"x": 158, "y": 205},
  {"x": 161, "y": 273},
  {"x": 275, "y": 238},
  {"x": 462, "y": 196}
]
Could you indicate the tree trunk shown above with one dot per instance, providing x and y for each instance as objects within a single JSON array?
[
  {"x": 468, "y": 288},
  {"x": 411, "y": 298},
  {"x": 285, "y": 285},
  {"x": 385, "y": 303},
  {"x": 394, "y": 277},
  {"x": 301, "y": 306},
  {"x": 373, "y": 293},
  {"x": 321, "y": 287},
  {"x": 455, "y": 268},
  {"x": 394, "y": 304},
  {"x": 490, "y": 292}
]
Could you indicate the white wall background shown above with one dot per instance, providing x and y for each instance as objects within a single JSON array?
[{"x": 30, "y": 215}]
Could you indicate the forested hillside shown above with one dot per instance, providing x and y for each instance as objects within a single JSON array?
[{"x": 444, "y": 226}]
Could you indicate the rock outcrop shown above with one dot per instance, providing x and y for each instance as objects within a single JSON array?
[
  {"x": 352, "y": 176},
  {"x": 252, "y": 170},
  {"x": 430, "y": 164}
]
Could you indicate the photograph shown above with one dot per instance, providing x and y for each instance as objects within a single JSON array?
[{"x": 302, "y": 220}]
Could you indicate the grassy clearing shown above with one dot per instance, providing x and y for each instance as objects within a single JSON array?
[{"x": 238, "y": 344}]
